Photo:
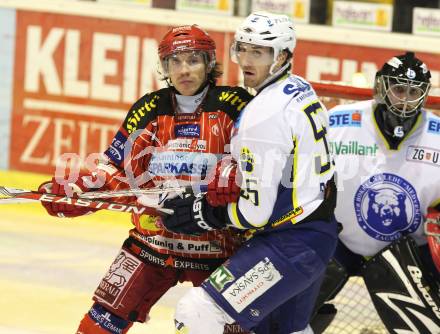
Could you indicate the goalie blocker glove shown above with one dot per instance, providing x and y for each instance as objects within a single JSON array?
[{"x": 193, "y": 215}]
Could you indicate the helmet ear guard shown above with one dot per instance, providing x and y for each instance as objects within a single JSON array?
[{"x": 403, "y": 85}]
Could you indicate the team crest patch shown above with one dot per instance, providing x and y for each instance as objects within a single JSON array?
[{"x": 386, "y": 206}]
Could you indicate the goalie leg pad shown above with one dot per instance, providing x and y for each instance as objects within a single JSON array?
[
  {"x": 334, "y": 280},
  {"x": 323, "y": 318},
  {"x": 336, "y": 276},
  {"x": 404, "y": 295}
]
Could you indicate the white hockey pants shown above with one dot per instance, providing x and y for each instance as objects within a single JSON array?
[{"x": 196, "y": 312}]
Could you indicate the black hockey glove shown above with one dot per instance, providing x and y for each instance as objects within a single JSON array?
[{"x": 193, "y": 215}]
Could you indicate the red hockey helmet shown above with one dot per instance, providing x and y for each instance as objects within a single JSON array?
[{"x": 187, "y": 38}]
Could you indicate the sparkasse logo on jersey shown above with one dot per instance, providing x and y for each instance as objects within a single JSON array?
[
  {"x": 434, "y": 126},
  {"x": 346, "y": 118},
  {"x": 174, "y": 163}
]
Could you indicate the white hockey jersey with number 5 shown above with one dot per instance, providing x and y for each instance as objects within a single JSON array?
[{"x": 280, "y": 144}]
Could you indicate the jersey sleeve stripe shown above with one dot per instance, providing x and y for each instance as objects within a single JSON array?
[
  {"x": 435, "y": 204},
  {"x": 295, "y": 176},
  {"x": 237, "y": 218}
]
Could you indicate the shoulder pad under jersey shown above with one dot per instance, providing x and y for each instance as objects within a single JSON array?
[
  {"x": 146, "y": 109},
  {"x": 230, "y": 100}
]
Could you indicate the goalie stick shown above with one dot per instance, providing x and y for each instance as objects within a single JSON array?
[{"x": 13, "y": 195}]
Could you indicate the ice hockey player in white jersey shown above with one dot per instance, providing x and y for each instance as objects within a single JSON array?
[
  {"x": 387, "y": 155},
  {"x": 286, "y": 201}
]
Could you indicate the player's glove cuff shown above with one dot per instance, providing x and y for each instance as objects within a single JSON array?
[
  {"x": 193, "y": 215},
  {"x": 62, "y": 210}
]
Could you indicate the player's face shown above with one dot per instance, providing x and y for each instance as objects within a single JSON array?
[
  {"x": 187, "y": 71},
  {"x": 255, "y": 62},
  {"x": 405, "y": 95}
]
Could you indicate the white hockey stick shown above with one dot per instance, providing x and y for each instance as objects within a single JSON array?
[
  {"x": 138, "y": 192},
  {"x": 13, "y": 195},
  {"x": 130, "y": 192}
]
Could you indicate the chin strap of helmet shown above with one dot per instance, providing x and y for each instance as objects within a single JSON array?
[{"x": 274, "y": 77}]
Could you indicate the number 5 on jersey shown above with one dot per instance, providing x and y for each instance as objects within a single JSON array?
[{"x": 319, "y": 132}]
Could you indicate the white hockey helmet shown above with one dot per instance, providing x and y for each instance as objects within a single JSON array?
[{"x": 266, "y": 29}]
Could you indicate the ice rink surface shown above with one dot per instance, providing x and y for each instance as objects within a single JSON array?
[{"x": 50, "y": 267}]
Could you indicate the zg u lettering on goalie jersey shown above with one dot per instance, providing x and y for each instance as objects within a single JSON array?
[
  {"x": 154, "y": 144},
  {"x": 280, "y": 188},
  {"x": 383, "y": 193}
]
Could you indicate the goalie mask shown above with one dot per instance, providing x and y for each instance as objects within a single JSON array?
[{"x": 402, "y": 85}]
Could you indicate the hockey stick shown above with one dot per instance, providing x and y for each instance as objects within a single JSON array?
[
  {"x": 130, "y": 192},
  {"x": 137, "y": 192},
  {"x": 13, "y": 195}
]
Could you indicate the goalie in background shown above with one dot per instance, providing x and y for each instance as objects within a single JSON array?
[
  {"x": 387, "y": 154},
  {"x": 173, "y": 134}
]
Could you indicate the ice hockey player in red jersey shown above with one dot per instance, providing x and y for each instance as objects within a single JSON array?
[{"x": 175, "y": 133}]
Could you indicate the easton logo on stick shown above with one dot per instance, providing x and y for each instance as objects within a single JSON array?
[{"x": 13, "y": 195}]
